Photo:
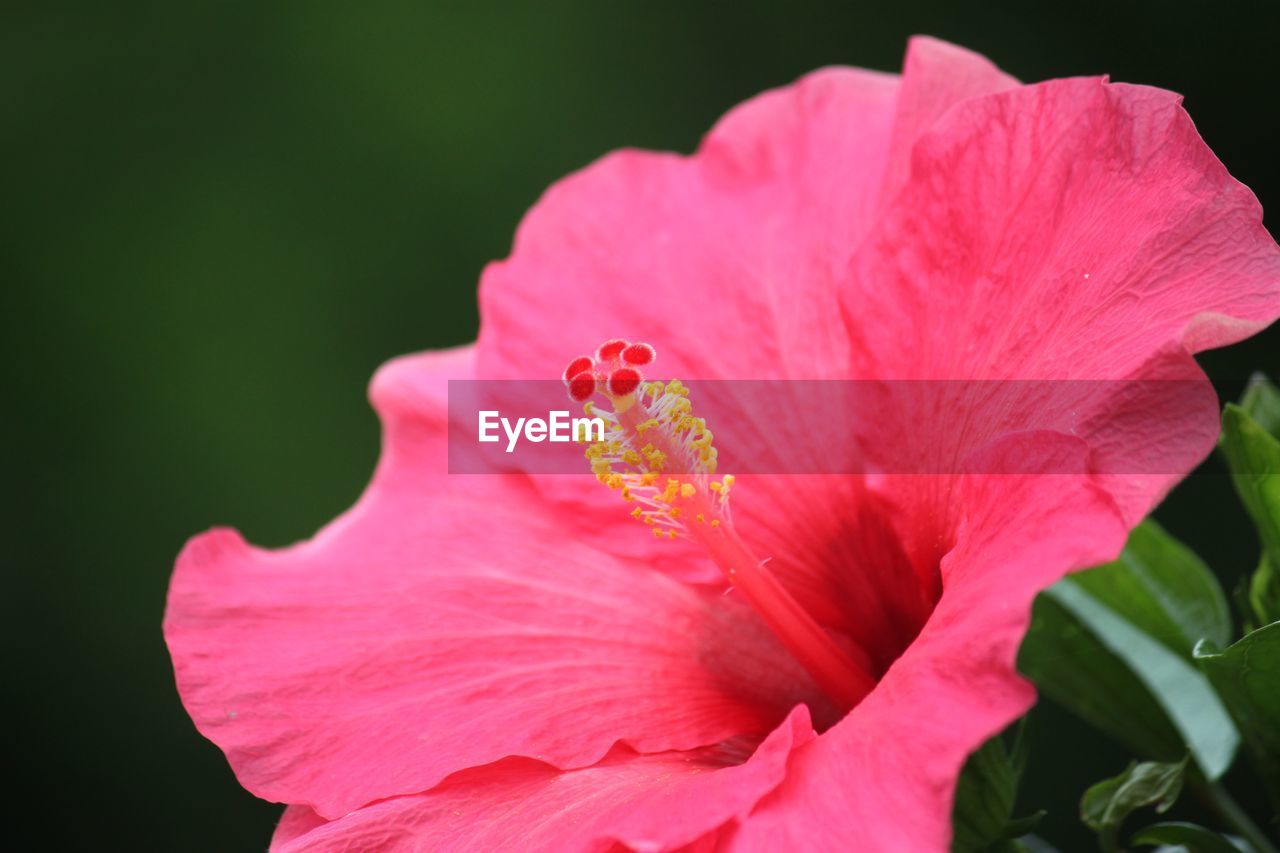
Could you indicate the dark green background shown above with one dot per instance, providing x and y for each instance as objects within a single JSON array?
[{"x": 220, "y": 218}]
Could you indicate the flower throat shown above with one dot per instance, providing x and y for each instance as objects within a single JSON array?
[{"x": 661, "y": 457}]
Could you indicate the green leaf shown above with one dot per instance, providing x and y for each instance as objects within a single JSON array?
[
  {"x": 1251, "y": 444},
  {"x": 1253, "y": 455},
  {"x": 1247, "y": 677},
  {"x": 1110, "y": 672},
  {"x": 1071, "y": 665},
  {"x": 1193, "y": 837},
  {"x": 984, "y": 797},
  {"x": 1261, "y": 401},
  {"x": 1021, "y": 826},
  {"x": 1105, "y": 805},
  {"x": 1164, "y": 589},
  {"x": 1263, "y": 596},
  {"x": 983, "y": 815}
]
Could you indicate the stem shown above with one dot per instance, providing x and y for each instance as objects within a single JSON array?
[{"x": 1234, "y": 816}]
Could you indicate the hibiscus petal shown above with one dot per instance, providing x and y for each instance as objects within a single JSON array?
[
  {"x": 1070, "y": 229},
  {"x": 936, "y": 76},
  {"x": 884, "y": 777},
  {"x": 447, "y": 622},
  {"x": 726, "y": 260},
  {"x": 645, "y": 802}
]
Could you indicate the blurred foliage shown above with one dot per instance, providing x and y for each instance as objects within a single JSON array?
[
  {"x": 1106, "y": 804},
  {"x": 1114, "y": 644},
  {"x": 220, "y": 217},
  {"x": 982, "y": 817}
]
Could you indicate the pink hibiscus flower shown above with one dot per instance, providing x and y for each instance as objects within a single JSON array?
[{"x": 507, "y": 661}]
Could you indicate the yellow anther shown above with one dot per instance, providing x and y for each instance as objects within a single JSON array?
[
  {"x": 680, "y": 444},
  {"x": 672, "y": 489}
]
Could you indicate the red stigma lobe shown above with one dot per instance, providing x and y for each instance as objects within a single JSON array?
[
  {"x": 624, "y": 381},
  {"x": 581, "y": 364},
  {"x": 638, "y": 354},
  {"x": 609, "y": 350},
  {"x": 582, "y": 386}
]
